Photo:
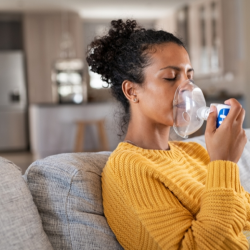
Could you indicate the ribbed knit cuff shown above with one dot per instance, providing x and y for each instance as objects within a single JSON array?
[{"x": 223, "y": 174}]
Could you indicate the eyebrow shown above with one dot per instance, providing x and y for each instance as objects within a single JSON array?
[{"x": 176, "y": 68}]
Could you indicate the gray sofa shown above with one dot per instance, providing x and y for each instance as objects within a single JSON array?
[{"x": 57, "y": 203}]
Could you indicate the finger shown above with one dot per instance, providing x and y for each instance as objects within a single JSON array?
[
  {"x": 234, "y": 110},
  {"x": 211, "y": 120},
  {"x": 241, "y": 116}
]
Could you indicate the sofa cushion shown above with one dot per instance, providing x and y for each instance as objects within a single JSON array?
[
  {"x": 20, "y": 223},
  {"x": 67, "y": 191}
]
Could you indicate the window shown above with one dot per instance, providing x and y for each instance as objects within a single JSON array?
[
  {"x": 95, "y": 81},
  {"x": 68, "y": 78}
]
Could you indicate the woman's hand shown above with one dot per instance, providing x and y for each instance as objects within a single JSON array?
[{"x": 228, "y": 141}]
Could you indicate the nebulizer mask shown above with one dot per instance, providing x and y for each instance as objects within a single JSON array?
[{"x": 190, "y": 111}]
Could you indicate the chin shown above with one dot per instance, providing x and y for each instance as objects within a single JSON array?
[{"x": 168, "y": 123}]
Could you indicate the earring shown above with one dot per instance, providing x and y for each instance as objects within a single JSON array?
[{"x": 135, "y": 98}]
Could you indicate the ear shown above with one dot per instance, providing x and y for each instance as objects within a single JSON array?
[{"x": 129, "y": 90}]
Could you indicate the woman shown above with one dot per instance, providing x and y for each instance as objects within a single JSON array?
[{"x": 159, "y": 194}]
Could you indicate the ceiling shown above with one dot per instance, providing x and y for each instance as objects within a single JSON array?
[{"x": 97, "y": 9}]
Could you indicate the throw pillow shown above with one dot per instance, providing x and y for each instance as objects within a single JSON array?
[{"x": 20, "y": 223}]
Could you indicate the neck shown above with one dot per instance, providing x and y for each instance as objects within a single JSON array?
[{"x": 148, "y": 135}]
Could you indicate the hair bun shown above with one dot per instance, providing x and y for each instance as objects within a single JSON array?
[
  {"x": 103, "y": 52},
  {"x": 122, "y": 29}
]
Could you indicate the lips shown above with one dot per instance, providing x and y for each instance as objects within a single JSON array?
[{"x": 181, "y": 105}]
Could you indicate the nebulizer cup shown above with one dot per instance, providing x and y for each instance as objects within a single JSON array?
[{"x": 189, "y": 109}]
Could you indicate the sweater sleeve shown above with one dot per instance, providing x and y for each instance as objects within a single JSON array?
[
  {"x": 247, "y": 202},
  {"x": 147, "y": 215},
  {"x": 222, "y": 216}
]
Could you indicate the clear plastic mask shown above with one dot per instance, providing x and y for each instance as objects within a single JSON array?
[{"x": 188, "y": 99}]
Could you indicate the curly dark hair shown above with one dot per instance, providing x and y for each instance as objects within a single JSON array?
[{"x": 123, "y": 54}]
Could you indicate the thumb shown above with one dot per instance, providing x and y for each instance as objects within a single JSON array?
[{"x": 211, "y": 120}]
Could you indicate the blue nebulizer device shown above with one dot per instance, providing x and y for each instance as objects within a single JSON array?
[{"x": 190, "y": 110}]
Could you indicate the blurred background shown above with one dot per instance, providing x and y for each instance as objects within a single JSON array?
[{"x": 49, "y": 101}]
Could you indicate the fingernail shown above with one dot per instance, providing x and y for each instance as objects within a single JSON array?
[{"x": 212, "y": 109}]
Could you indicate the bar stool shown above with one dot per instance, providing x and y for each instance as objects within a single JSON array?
[{"x": 80, "y": 135}]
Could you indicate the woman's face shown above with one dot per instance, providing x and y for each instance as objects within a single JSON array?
[{"x": 170, "y": 66}]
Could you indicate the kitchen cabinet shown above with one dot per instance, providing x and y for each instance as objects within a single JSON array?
[
  {"x": 205, "y": 37},
  {"x": 42, "y": 38}
]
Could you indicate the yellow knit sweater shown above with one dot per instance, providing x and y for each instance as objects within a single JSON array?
[{"x": 174, "y": 199}]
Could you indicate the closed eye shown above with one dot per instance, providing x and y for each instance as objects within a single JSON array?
[{"x": 170, "y": 79}]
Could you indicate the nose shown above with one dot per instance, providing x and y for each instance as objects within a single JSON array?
[
  {"x": 184, "y": 85},
  {"x": 184, "y": 74}
]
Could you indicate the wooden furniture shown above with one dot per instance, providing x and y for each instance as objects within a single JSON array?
[
  {"x": 80, "y": 135},
  {"x": 42, "y": 37}
]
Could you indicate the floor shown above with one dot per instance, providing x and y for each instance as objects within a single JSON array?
[{"x": 21, "y": 159}]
